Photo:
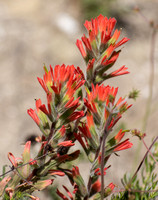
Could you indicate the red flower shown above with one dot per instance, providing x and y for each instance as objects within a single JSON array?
[
  {"x": 80, "y": 46},
  {"x": 47, "y": 80},
  {"x": 69, "y": 113},
  {"x": 79, "y": 138},
  {"x": 100, "y": 49},
  {"x": 63, "y": 196},
  {"x": 10, "y": 191},
  {"x": 89, "y": 134},
  {"x": 75, "y": 115},
  {"x": 62, "y": 131},
  {"x": 111, "y": 186},
  {"x": 119, "y": 136},
  {"x": 43, "y": 84},
  {"x": 101, "y": 24},
  {"x": 42, "y": 184},
  {"x": 78, "y": 180},
  {"x": 40, "y": 118},
  {"x": 3, "y": 183},
  {"x": 108, "y": 190},
  {"x": 121, "y": 71},
  {"x": 75, "y": 82},
  {"x": 75, "y": 171},
  {"x": 97, "y": 171},
  {"x": 100, "y": 96},
  {"x": 122, "y": 105},
  {"x": 86, "y": 42},
  {"x": 59, "y": 134},
  {"x": 112, "y": 60},
  {"x": 67, "y": 143},
  {"x": 100, "y": 105},
  {"x": 90, "y": 69},
  {"x": 96, "y": 187},
  {"x": 72, "y": 104},
  {"x": 12, "y": 159},
  {"x": 68, "y": 192},
  {"x": 49, "y": 103},
  {"x": 42, "y": 107},
  {"x": 32, "y": 162},
  {"x": 62, "y": 80},
  {"x": 124, "y": 40},
  {"x": 56, "y": 172},
  {"x": 85, "y": 130},
  {"x": 34, "y": 116},
  {"x": 104, "y": 96},
  {"x": 100, "y": 30},
  {"x": 123, "y": 145},
  {"x": 33, "y": 197}
]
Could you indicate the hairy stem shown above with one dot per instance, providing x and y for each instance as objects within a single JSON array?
[
  {"x": 105, "y": 134},
  {"x": 102, "y": 165}
]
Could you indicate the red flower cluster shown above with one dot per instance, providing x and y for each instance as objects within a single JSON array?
[
  {"x": 61, "y": 86},
  {"x": 73, "y": 115},
  {"x": 89, "y": 119},
  {"x": 101, "y": 106},
  {"x": 100, "y": 49}
]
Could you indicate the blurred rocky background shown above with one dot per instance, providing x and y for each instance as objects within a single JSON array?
[{"x": 34, "y": 32}]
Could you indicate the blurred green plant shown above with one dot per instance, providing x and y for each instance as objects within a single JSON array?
[
  {"x": 145, "y": 185},
  {"x": 52, "y": 193},
  {"x": 92, "y": 8}
]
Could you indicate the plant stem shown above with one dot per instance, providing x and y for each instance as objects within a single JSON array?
[
  {"x": 129, "y": 184},
  {"x": 154, "y": 28},
  {"x": 149, "y": 152},
  {"x": 102, "y": 165},
  {"x": 151, "y": 79},
  {"x": 105, "y": 134},
  {"x": 151, "y": 83}
]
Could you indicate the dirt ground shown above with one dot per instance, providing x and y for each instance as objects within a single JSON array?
[{"x": 37, "y": 32}]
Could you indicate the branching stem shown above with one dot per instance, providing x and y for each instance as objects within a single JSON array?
[{"x": 149, "y": 152}]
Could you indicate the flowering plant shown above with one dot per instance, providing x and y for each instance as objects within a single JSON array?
[{"x": 80, "y": 108}]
